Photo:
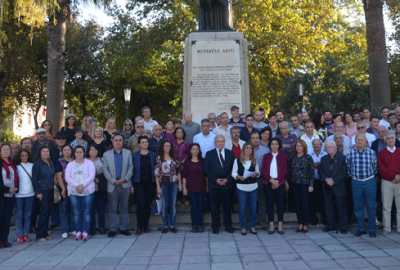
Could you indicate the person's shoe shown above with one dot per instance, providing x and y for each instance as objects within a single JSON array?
[
  {"x": 78, "y": 236},
  {"x": 112, "y": 234},
  {"x": 385, "y": 233},
  {"x": 102, "y": 231},
  {"x": 359, "y": 233},
  {"x": 52, "y": 227},
  {"x": 271, "y": 232},
  {"x": 33, "y": 230},
  {"x": 26, "y": 239},
  {"x": 92, "y": 232},
  {"x": 20, "y": 239},
  {"x": 372, "y": 234},
  {"x": 343, "y": 231},
  {"x": 147, "y": 230},
  {"x": 42, "y": 240},
  {"x": 230, "y": 230},
  {"x": 281, "y": 232},
  {"x": 85, "y": 236},
  {"x": 64, "y": 235},
  {"x": 186, "y": 203},
  {"x": 327, "y": 229},
  {"x": 7, "y": 244},
  {"x": 253, "y": 232},
  {"x": 200, "y": 229},
  {"x": 173, "y": 230},
  {"x": 244, "y": 232},
  {"x": 48, "y": 238},
  {"x": 194, "y": 229},
  {"x": 72, "y": 233},
  {"x": 138, "y": 231},
  {"x": 164, "y": 230},
  {"x": 215, "y": 231},
  {"x": 1, "y": 245},
  {"x": 305, "y": 230},
  {"x": 125, "y": 232},
  {"x": 299, "y": 230}
]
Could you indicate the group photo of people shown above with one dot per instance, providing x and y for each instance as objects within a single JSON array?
[{"x": 338, "y": 169}]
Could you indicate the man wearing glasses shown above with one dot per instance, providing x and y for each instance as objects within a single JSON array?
[
  {"x": 361, "y": 127},
  {"x": 133, "y": 140}
]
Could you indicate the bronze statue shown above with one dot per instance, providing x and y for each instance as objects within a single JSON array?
[{"x": 215, "y": 15}]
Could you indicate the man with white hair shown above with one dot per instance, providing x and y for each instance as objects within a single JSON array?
[
  {"x": 361, "y": 127},
  {"x": 213, "y": 118},
  {"x": 341, "y": 148},
  {"x": 339, "y": 127},
  {"x": 333, "y": 172},
  {"x": 191, "y": 128},
  {"x": 362, "y": 167}
]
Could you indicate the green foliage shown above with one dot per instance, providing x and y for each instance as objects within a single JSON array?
[{"x": 8, "y": 136}]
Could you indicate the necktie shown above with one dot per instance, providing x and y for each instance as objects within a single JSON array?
[{"x": 222, "y": 158}]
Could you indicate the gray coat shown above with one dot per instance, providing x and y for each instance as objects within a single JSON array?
[
  {"x": 194, "y": 130},
  {"x": 110, "y": 172}
]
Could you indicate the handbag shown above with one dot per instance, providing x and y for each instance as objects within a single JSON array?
[
  {"x": 57, "y": 195},
  {"x": 156, "y": 206}
]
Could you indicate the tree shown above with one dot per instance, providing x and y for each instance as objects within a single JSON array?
[{"x": 377, "y": 53}]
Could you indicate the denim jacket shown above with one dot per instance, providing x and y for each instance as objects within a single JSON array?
[{"x": 42, "y": 176}]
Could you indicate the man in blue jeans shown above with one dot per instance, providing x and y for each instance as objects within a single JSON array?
[{"x": 362, "y": 167}]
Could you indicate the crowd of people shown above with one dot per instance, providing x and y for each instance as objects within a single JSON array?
[{"x": 336, "y": 165}]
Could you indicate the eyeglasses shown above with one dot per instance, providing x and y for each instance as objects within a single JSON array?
[
  {"x": 128, "y": 124},
  {"x": 46, "y": 125},
  {"x": 140, "y": 126},
  {"x": 360, "y": 127}
]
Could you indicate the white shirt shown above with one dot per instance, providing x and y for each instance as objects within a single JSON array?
[
  {"x": 25, "y": 182},
  {"x": 245, "y": 187},
  {"x": 391, "y": 150},
  {"x": 346, "y": 140},
  {"x": 148, "y": 125},
  {"x": 273, "y": 169},
  {"x": 206, "y": 143},
  {"x": 317, "y": 159},
  {"x": 308, "y": 141},
  {"x": 221, "y": 130},
  {"x": 222, "y": 154},
  {"x": 383, "y": 122},
  {"x": 370, "y": 138}
]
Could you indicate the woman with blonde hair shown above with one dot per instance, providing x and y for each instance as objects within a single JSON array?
[
  {"x": 127, "y": 130},
  {"x": 99, "y": 141},
  {"x": 247, "y": 187},
  {"x": 85, "y": 122},
  {"x": 109, "y": 129}
]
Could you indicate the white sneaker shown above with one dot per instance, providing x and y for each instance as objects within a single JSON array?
[
  {"x": 72, "y": 233},
  {"x": 64, "y": 235}
]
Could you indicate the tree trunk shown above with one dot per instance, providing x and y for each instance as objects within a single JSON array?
[
  {"x": 377, "y": 53},
  {"x": 57, "y": 55}
]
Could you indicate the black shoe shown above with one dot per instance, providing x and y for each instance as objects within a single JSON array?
[
  {"x": 215, "y": 231},
  {"x": 173, "y": 230},
  {"x": 125, "y": 232},
  {"x": 92, "y": 232},
  {"x": 8, "y": 244},
  {"x": 164, "y": 230},
  {"x": 102, "y": 231},
  {"x": 372, "y": 234},
  {"x": 112, "y": 234},
  {"x": 327, "y": 229},
  {"x": 343, "y": 231},
  {"x": 244, "y": 233},
  {"x": 194, "y": 229},
  {"x": 253, "y": 232},
  {"x": 230, "y": 230},
  {"x": 359, "y": 233},
  {"x": 271, "y": 232},
  {"x": 281, "y": 232},
  {"x": 200, "y": 228}
]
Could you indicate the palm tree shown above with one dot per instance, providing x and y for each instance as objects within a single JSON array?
[{"x": 377, "y": 53}]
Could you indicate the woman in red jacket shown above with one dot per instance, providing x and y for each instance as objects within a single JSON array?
[{"x": 274, "y": 169}]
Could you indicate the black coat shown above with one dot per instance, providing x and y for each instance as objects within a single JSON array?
[
  {"x": 214, "y": 170},
  {"x": 338, "y": 174}
]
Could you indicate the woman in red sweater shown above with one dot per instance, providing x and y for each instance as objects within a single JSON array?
[
  {"x": 274, "y": 170},
  {"x": 388, "y": 165}
]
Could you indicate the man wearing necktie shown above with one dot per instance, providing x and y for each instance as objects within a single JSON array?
[{"x": 218, "y": 167}]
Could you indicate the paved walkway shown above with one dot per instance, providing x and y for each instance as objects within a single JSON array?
[{"x": 185, "y": 250}]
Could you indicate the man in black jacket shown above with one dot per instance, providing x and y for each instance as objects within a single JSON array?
[
  {"x": 218, "y": 167},
  {"x": 332, "y": 172}
]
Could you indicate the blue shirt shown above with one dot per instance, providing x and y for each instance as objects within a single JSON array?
[
  {"x": 118, "y": 164},
  {"x": 361, "y": 165}
]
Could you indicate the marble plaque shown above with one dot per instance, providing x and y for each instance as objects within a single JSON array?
[{"x": 215, "y": 76}]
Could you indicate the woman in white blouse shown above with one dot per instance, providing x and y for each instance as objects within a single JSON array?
[{"x": 247, "y": 188}]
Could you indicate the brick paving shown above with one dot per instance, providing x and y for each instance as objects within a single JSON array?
[{"x": 192, "y": 251}]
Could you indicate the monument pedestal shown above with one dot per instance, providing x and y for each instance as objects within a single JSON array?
[{"x": 216, "y": 75}]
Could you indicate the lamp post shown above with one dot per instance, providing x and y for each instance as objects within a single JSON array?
[
  {"x": 301, "y": 95},
  {"x": 127, "y": 96}
]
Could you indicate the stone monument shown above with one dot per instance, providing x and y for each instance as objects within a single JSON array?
[{"x": 216, "y": 73}]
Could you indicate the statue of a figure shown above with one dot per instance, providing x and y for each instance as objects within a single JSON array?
[{"x": 215, "y": 15}]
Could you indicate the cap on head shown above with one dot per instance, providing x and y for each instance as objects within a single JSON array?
[
  {"x": 234, "y": 107},
  {"x": 60, "y": 136},
  {"x": 39, "y": 130},
  {"x": 68, "y": 115}
]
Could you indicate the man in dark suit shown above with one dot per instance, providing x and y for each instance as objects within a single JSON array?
[
  {"x": 218, "y": 168},
  {"x": 332, "y": 172}
]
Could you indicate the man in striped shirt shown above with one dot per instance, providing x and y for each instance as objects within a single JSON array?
[{"x": 362, "y": 167}]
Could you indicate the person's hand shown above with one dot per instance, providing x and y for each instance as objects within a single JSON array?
[
  {"x": 219, "y": 181},
  {"x": 241, "y": 178},
  {"x": 377, "y": 179},
  {"x": 79, "y": 189},
  {"x": 310, "y": 189},
  {"x": 180, "y": 187},
  {"x": 132, "y": 190},
  {"x": 96, "y": 180},
  {"x": 64, "y": 193},
  {"x": 397, "y": 178},
  {"x": 11, "y": 191},
  {"x": 117, "y": 182},
  {"x": 15, "y": 190},
  {"x": 255, "y": 175},
  {"x": 224, "y": 182},
  {"x": 207, "y": 189},
  {"x": 276, "y": 184},
  {"x": 39, "y": 197},
  {"x": 287, "y": 186},
  {"x": 159, "y": 191},
  {"x": 185, "y": 192}
]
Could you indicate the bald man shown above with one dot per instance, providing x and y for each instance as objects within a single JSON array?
[
  {"x": 156, "y": 139},
  {"x": 191, "y": 128}
]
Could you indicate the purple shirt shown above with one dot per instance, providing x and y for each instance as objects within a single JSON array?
[{"x": 195, "y": 176}]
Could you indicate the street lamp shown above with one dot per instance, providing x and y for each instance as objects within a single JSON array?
[
  {"x": 301, "y": 95},
  {"x": 127, "y": 96}
]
